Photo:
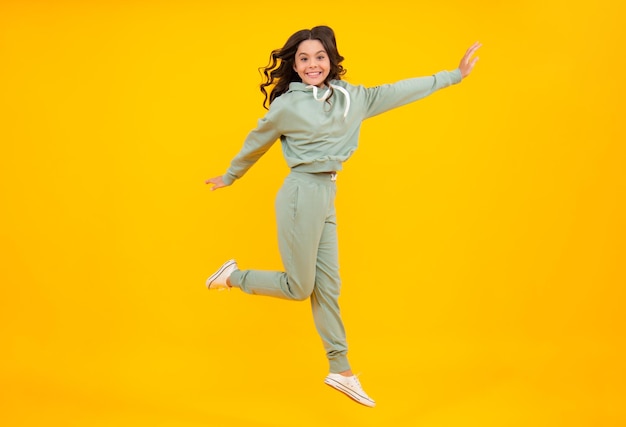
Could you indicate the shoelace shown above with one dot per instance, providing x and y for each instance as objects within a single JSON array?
[
  {"x": 356, "y": 384},
  {"x": 354, "y": 381}
]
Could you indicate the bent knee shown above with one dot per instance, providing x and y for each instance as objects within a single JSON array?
[
  {"x": 301, "y": 292},
  {"x": 301, "y": 297}
]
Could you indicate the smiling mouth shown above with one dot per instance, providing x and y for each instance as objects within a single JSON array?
[{"x": 314, "y": 74}]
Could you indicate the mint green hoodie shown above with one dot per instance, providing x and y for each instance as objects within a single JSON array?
[{"x": 319, "y": 134}]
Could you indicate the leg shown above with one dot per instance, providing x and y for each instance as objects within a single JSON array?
[
  {"x": 325, "y": 300},
  {"x": 301, "y": 209}
]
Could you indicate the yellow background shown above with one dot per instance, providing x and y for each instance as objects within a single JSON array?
[{"x": 482, "y": 233}]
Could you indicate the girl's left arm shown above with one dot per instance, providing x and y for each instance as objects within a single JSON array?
[{"x": 386, "y": 97}]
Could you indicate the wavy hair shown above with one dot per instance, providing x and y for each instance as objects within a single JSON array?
[{"x": 279, "y": 71}]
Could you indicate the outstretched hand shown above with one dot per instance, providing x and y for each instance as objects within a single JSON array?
[
  {"x": 467, "y": 62},
  {"x": 217, "y": 182}
]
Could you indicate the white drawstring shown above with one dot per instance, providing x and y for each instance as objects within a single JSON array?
[{"x": 327, "y": 94}]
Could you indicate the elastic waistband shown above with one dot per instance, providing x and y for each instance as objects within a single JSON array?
[{"x": 316, "y": 176}]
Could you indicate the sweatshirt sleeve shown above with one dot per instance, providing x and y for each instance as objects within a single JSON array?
[
  {"x": 386, "y": 97},
  {"x": 258, "y": 141}
]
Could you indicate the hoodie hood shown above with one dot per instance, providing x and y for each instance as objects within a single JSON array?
[{"x": 325, "y": 93}]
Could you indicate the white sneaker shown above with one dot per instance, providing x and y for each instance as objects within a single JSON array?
[
  {"x": 218, "y": 279},
  {"x": 351, "y": 387}
]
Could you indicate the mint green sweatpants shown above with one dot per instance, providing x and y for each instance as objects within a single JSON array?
[{"x": 307, "y": 240}]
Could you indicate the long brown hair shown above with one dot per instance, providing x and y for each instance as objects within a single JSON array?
[{"x": 279, "y": 71}]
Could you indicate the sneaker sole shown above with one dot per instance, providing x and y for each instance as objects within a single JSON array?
[
  {"x": 351, "y": 394},
  {"x": 215, "y": 275}
]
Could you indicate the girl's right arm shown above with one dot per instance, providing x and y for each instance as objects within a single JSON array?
[{"x": 255, "y": 145}]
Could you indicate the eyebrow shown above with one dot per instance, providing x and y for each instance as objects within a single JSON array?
[{"x": 316, "y": 53}]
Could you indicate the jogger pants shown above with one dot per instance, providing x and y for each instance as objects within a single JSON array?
[{"x": 307, "y": 240}]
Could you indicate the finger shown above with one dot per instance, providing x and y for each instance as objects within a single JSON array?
[
  {"x": 473, "y": 48},
  {"x": 470, "y": 66}
]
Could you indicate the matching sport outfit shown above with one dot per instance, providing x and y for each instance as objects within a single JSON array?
[{"x": 318, "y": 132}]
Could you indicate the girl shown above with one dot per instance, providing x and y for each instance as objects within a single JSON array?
[{"x": 317, "y": 117}]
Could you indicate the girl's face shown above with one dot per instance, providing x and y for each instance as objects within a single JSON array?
[{"x": 312, "y": 63}]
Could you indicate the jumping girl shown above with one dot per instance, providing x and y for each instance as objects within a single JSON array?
[{"x": 317, "y": 117}]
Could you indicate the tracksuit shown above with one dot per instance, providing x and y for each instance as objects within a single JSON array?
[{"x": 318, "y": 129}]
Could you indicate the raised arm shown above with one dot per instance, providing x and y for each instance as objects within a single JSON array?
[{"x": 385, "y": 97}]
